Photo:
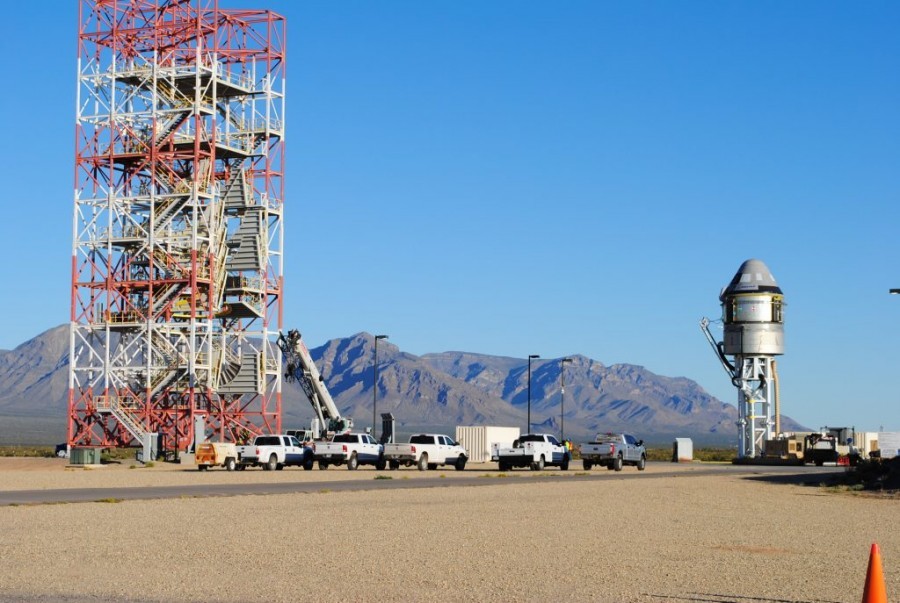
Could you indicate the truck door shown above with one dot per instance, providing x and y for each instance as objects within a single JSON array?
[
  {"x": 369, "y": 448},
  {"x": 444, "y": 444},
  {"x": 630, "y": 448},
  {"x": 293, "y": 454},
  {"x": 557, "y": 453}
]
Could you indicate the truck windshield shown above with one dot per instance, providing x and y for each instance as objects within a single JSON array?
[
  {"x": 345, "y": 437},
  {"x": 421, "y": 439},
  {"x": 268, "y": 441}
]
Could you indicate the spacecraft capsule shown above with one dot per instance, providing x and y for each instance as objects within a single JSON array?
[{"x": 753, "y": 312}]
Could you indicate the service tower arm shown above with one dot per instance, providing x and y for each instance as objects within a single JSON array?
[{"x": 299, "y": 367}]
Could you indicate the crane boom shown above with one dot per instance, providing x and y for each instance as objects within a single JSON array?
[{"x": 299, "y": 367}]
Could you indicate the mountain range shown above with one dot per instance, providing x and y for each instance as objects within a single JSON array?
[{"x": 428, "y": 392}]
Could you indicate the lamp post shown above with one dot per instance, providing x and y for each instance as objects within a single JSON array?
[
  {"x": 530, "y": 356},
  {"x": 375, "y": 383},
  {"x": 562, "y": 397}
]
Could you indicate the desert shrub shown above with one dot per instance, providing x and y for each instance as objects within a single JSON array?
[{"x": 28, "y": 451}]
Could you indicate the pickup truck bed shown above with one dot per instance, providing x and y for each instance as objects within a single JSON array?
[
  {"x": 613, "y": 451},
  {"x": 351, "y": 449},
  {"x": 275, "y": 452},
  {"x": 427, "y": 451},
  {"x": 534, "y": 450}
]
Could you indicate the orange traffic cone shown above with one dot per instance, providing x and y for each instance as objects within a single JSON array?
[{"x": 875, "y": 591}]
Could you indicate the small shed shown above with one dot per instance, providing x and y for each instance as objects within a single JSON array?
[
  {"x": 479, "y": 439},
  {"x": 683, "y": 450}
]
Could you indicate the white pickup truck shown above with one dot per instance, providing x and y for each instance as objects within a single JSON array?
[
  {"x": 613, "y": 450},
  {"x": 535, "y": 450},
  {"x": 352, "y": 449},
  {"x": 275, "y": 452},
  {"x": 426, "y": 451}
]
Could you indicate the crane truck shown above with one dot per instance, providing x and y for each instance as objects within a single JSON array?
[{"x": 299, "y": 367}]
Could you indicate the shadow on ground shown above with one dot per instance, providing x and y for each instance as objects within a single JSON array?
[{"x": 800, "y": 478}]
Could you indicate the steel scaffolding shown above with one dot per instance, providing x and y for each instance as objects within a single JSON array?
[{"x": 177, "y": 231}]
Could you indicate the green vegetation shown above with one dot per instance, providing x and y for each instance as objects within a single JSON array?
[
  {"x": 28, "y": 451},
  {"x": 383, "y": 477},
  {"x": 705, "y": 455},
  {"x": 880, "y": 475}
]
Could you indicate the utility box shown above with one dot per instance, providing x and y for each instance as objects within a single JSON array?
[
  {"x": 477, "y": 440},
  {"x": 683, "y": 450},
  {"x": 81, "y": 455}
]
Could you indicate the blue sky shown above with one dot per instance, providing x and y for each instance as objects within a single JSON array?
[{"x": 548, "y": 178}]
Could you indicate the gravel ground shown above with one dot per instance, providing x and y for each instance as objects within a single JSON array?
[{"x": 685, "y": 538}]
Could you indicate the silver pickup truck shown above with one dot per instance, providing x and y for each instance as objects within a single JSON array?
[{"x": 614, "y": 450}]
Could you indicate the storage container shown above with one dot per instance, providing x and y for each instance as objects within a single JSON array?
[{"x": 477, "y": 440}]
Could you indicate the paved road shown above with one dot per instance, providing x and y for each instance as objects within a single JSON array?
[{"x": 366, "y": 483}]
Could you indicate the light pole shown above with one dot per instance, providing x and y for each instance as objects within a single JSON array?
[
  {"x": 562, "y": 397},
  {"x": 530, "y": 356},
  {"x": 375, "y": 383}
]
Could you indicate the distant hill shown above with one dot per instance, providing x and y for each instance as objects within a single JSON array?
[{"x": 434, "y": 391}]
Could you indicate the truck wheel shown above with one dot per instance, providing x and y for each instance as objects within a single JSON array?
[
  {"x": 504, "y": 467},
  {"x": 432, "y": 466},
  {"x": 609, "y": 466},
  {"x": 617, "y": 463},
  {"x": 323, "y": 466},
  {"x": 353, "y": 462},
  {"x": 564, "y": 466},
  {"x": 202, "y": 467},
  {"x": 230, "y": 464},
  {"x": 460, "y": 463},
  {"x": 272, "y": 464},
  {"x": 423, "y": 462},
  {"x": 538, "y": 466},
  {"x": 308, "y": 465},
  {"x": 394, "y": 465},
  {"x": 279, "y": 467},
  {"x": 380, "y": 464},
  {"x": 587, "y": 465},
  {"x": 642, "y": 464}
]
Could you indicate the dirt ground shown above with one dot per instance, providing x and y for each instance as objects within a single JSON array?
[{"x": 691, "y": 537}]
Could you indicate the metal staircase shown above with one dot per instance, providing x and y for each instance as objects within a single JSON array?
[
  {"x": 249, "y": 377},
  {"x": 172, "y": 124},
  {"x": 174, "y": 363},
  {"x": 122, "y": 414},
  {"x": 166, "y": 297},
  {"x": 248, "y": 243},
  {"x": 237, "y": 196}
]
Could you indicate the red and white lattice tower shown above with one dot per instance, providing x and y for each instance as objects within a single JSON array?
[{"x": 177, "y": 234}]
